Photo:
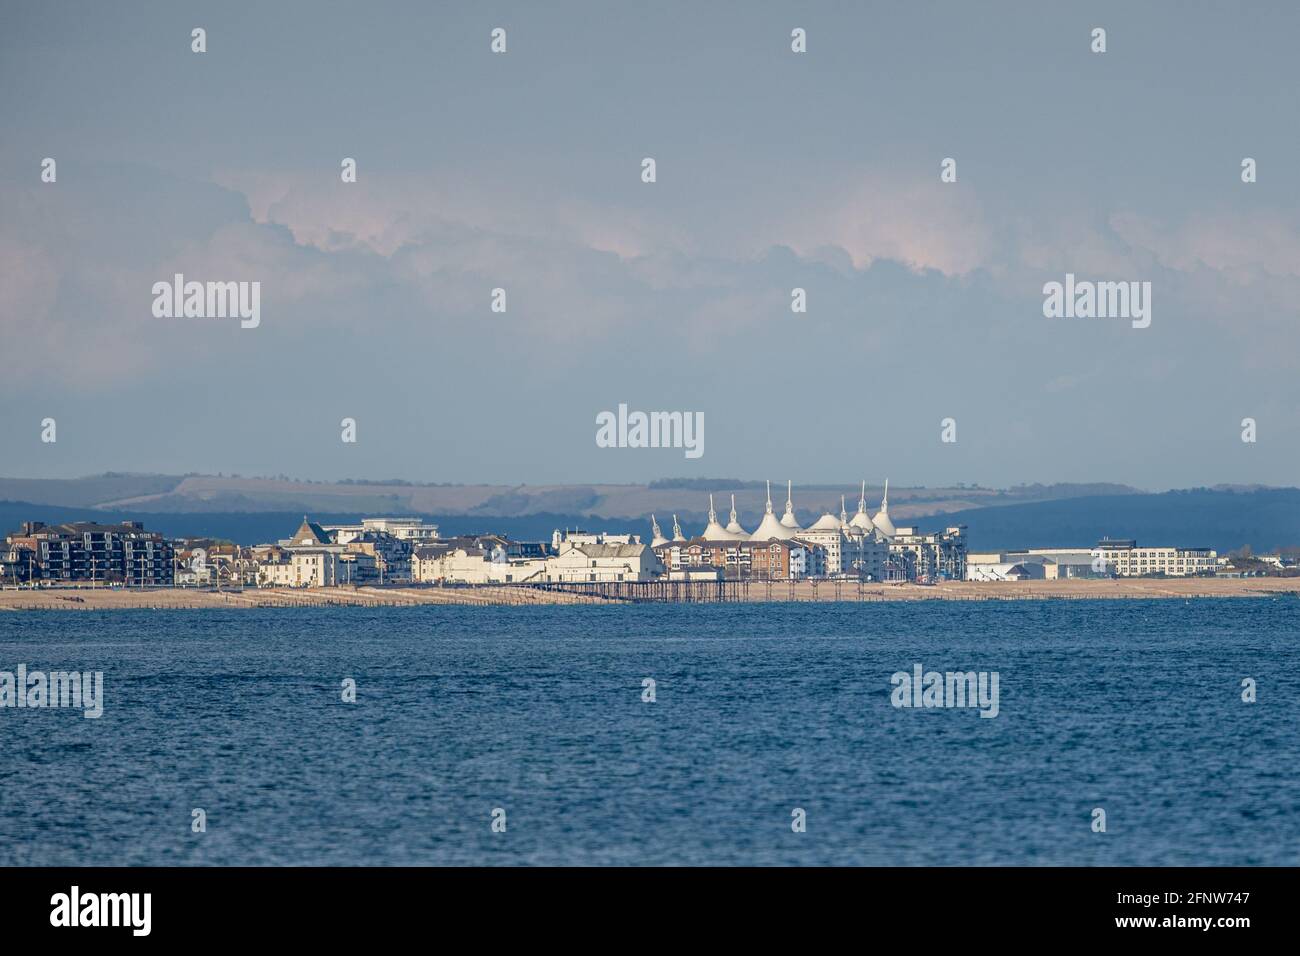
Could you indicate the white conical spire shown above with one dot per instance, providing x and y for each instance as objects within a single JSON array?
[
  {"x": 770, "y": 527},
  {"x": 881, "y": 520},
  {"x": 733, "y": 526},
  {"x": 844, "y": 513},
  {"x": 714, "y": 531},
  {"x": 677, "y": 530},
  {"x": 788, "y": 519},
  {"x": 862, "y": 521},
  {"x": 658, "y": 538}
]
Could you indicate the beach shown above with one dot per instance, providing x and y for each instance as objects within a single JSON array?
[{"x": 99, "y": 599}]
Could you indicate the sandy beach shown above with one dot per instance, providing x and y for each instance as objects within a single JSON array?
[
  {"x": 105, "y": 599},
  {"x": 97, "y": 599}
]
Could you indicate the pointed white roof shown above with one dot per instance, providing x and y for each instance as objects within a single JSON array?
[
  {"x": 733, "y": 526},
  {"x": 769, "y": 527},
  {"x": 862, "y": 520},
  {"x": 881, "y": 520},
  {"x": 788, "y": 519},
  {"x": 658, "y": 538},
  {"x": 844, "y": 515},
  {"x": 714, "y": 531},
  {"x": 677, "y": 530}
]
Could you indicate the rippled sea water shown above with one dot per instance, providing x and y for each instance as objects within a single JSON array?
[{"x": 1132, "y": 706}]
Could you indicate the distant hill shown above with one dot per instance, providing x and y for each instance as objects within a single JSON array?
[
  {"x": 1265, "y": 519},
  {"x": 161, "y": 494},
  {"x": 86, "y": 492}
]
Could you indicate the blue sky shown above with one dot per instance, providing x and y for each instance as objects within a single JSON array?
[{"x": 775, "y": 170}]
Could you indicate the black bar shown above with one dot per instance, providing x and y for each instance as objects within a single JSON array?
[{"x": 949, "y": 906}]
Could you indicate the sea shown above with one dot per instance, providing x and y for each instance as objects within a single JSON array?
[{"x": 649, "y": 735}]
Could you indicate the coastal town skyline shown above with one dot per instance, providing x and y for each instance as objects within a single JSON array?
[{"x": 874, "y": 545}]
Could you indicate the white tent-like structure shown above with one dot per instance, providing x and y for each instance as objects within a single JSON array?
[
  {"x": 770, "y": 527},
  {"x": 827, "y": 522},
  {"x": 714, "y": 531},
  {"x": 861, "y": 522},
  {"x": 657, "y": 535},
  {"x": 788, "y": 519},
  {"x": 677, "y": 531},
  {"x": 881, "y": 520},
  {"x": 733, "y": 526}
]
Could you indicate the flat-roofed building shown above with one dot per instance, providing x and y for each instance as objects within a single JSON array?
[
  {"x": 1047, "y": 563},
  {"x": 86, "y": 551},
  {"x": 919, "y": 556},
  {"x": 412, "y": 530},
  {"x": 1126, "y": 558}
]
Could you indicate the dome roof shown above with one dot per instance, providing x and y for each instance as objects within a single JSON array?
[
  {"x": 677, "y": 530},
  {"x": 827, "y": 522},
  {"x": 770, "y": 527}
]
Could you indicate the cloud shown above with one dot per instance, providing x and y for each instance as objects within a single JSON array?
[
  {"x": 1243, "y": 246},
  {"x": 386, "y": 212},
  {"x": 922, "y": 224}
]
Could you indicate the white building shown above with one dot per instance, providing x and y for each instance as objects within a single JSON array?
[
  {"x": 576, "y": 563},
  {"x": 604, "y": 562},
  {"x": 828, "y": 531},
  {"x": 467, "y": 565},
  {"x": 1004, "y": 571},
  {"x": 301, "y": 568},
  {"x": 413, "y": 530},
  {"x": 920, "y": 556},
  {"x": 558, "y": 538},
  {"x": 1126, "y": 559}
]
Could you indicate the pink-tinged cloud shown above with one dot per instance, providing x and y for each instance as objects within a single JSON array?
[{"x": 922, "y": 224}]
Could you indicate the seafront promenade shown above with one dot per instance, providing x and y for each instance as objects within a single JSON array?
[{"x": 99, "y": 599}]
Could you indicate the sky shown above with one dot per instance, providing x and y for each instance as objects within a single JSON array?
[{"x": 775, "y": 170}]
